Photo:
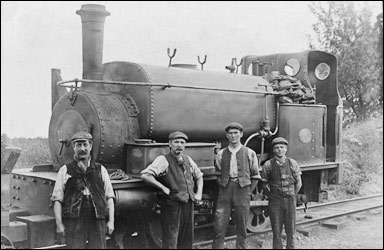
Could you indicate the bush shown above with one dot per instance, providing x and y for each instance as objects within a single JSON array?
[
  {"x": 34, "y": 151},
  {"x": 362, "y": 150},
  {"x": 4, "y": 140}
]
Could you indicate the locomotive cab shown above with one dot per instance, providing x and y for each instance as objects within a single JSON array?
[{"x": 313, "y": 130}]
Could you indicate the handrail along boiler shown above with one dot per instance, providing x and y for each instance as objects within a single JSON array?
[{"x": 128, "y": 108}]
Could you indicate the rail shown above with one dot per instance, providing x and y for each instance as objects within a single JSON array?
[
  {"x": 164, "y": 85},
  {"x": 298, "y": 223},
  {"x": 342, "y": 201},
  {"x": 310, "y": 221}
]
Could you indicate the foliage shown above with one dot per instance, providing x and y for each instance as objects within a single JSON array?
[
  {"x": 34, "y": 151},
  {"x": 379, "y": 32},
  {"x": 4, "y": 141},
  {"x": 362, "y": 152},
  {"x": 349, "y": 34}
]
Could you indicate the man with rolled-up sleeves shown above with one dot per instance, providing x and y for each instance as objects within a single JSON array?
[
  {"x": 83, "y": 199},
  {"x": 175, "y": 174},
  {"x": 283, "y": 176},
  {"x": 238, "y": 175}
]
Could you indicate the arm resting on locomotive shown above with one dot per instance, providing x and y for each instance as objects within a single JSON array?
[{"x": 150, "y": 179}]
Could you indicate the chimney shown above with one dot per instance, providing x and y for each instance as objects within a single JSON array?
[{"x": 92, "y": 18}]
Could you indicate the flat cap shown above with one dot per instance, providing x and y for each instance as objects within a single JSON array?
[
  {"x": 279, "y": 140},
  {"x": 234, "y": 125},
  {"x": 177, "y": 135},
  {"x": 81, "y": 136}
]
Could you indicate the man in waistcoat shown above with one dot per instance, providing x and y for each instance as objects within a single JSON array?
[
  {"x": 83, "y": 199},
  {"x": 238, "y": 175},
  {"x": 175, "y": 174},
  {"x": 283, "y": 177}
]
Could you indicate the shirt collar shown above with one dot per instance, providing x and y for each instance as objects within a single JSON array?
[
  {"x": 278, "y": 162},
  {"x": 234, "y": 150}
]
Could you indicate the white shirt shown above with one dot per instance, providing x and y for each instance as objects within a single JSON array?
[
  {"x": 159, "y": 167},
  {"x": 252, "y": 158},
  {"x": 233, "y": 163}
]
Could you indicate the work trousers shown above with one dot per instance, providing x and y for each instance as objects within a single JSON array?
[
  {"x": 282, "y": 211},
  {"x": 84, "y": 228},
  {"x": 177, "y": 224},
  {"x": 232, "y": 197}
]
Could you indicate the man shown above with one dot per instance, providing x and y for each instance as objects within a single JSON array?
[
  {"x": 238, "y": 174},
  {"x": 83, "y": 198},
  {"x": 283, "y": 177},
  {"x": 175, "y": 175}
]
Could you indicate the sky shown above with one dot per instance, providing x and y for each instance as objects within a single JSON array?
[{"x": 39, "y": 36}]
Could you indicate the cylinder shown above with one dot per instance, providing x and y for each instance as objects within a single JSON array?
[{"x": 92, "y": 18}]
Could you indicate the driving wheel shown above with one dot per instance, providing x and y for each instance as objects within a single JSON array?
[{"x": 257, "y": 218}]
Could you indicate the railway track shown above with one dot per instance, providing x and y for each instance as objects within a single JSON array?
[
  {"x": 315, "y": 214},
  {"x": 318, "y": 213}
]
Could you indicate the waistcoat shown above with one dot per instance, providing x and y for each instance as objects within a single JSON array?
[
  {"x": 179, "y": 179},
  {"x": 73, "y": 194},
  {"x": 281, "y": 182},
  {"x": 243, "y": 167}
]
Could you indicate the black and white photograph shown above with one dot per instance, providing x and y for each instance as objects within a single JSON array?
[{"x": 191, "y": 125}]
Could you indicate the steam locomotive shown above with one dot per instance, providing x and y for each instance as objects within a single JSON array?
[{"x": 130, "y": 109}]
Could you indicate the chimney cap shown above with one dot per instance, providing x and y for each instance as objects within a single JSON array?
[{"x": 94, "y": 9}]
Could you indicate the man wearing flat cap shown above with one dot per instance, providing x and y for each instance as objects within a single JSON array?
[
  {"x": 175, "y": 174},
  {"x": 83, "y": 199},
  {"x": 283, "y": 177},
  {"x": 237, "y": 176}
]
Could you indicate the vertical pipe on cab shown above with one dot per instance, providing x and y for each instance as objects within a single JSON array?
[{"x": 92, "y": 18}]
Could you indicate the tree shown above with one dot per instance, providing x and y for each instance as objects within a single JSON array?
[
  {"x": 379, "y": 32},
  {"x": 348, "y": 33},
  {"x": 4, "y": 141}
]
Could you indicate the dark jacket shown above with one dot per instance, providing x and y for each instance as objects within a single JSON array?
[{"x": 73, "y": 194}]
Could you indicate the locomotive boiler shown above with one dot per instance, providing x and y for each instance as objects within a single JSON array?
[{"x": 130, "y": 109}]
